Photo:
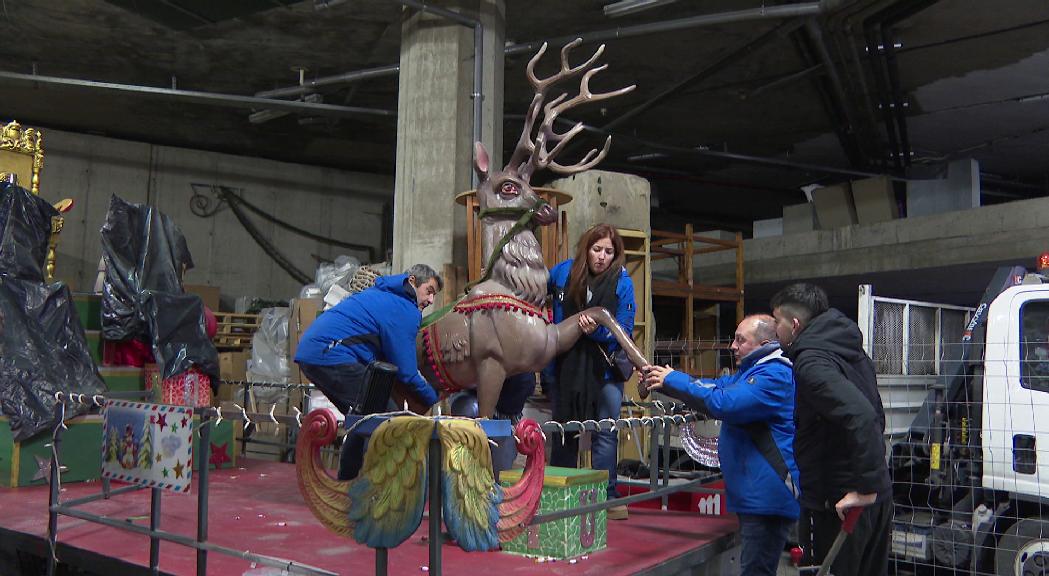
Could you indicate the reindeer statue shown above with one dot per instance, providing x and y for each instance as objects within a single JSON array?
[{"x": 499, "y": 328}]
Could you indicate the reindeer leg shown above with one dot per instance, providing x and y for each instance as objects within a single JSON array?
[
  {"x": 490, "y": 376},
  {"x": 605, "y": 318}
]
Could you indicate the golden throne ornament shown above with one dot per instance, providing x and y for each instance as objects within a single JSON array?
[{"x": 21, "y": 159}]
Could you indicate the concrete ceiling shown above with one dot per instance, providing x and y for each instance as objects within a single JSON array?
[{"x": 958, "y": 74}]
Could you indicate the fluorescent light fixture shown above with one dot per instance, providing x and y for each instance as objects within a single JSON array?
[{"x": 624, "y": 7}]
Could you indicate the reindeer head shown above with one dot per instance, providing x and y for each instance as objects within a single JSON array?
[{"x": 509, "y": 190}]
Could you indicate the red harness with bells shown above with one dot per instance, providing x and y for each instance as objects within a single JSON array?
[{"x": 431, "y": 339}]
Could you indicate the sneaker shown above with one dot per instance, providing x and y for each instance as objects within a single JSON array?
[{"x": 618, "y": 513}]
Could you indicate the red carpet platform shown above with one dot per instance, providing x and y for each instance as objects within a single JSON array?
[{"x": 257, "y": 507}]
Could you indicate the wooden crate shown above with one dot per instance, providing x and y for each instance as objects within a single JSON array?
[{"x": 235, "y": 330}]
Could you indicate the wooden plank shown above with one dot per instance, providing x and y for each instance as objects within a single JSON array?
[
  {"x": 710, "y": 249},
  {"x": 701, "y": 291},
  {"x": 718, "y": 241},
  {"x": 664, "y": 235},
  {"x": 670, "y": 251}
]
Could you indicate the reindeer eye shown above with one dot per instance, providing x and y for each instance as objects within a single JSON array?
[{"x": 509, "y": 188}]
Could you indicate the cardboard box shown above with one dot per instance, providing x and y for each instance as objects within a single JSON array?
[
  {"x": 834, "y": 206},
  {"x": 234, "y": 365},
  {"x": 875, "y": 200},
  {"x": 303, "y": 312},
  {"x": 799, "y": 218},
  {"x": 563, "y": 489},
  {"x": 209, "y": 294}
]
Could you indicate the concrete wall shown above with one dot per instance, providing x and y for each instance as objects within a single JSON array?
[
  {"x": 332, "y": 203},
  {"x": 621, "y": 200},
  {"x": 959, "y": 189},
  {"x": 1001, "y": 232}
]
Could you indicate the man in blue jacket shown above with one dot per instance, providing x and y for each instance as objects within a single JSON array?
[
  {"x": 756, "y": 407},
  {"x": 380, "y": 323}
]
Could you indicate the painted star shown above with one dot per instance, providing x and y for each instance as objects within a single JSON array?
[
  {"x": 162, "y": 421},
  {"x": 159, "y": 457},
  {"x": 164, "y": 472},
  {"x": 183, "y": 421},
  {"x": 43, "y": 466},
  {"x": 219, "y": 454},
  {"x": 178, "y": 469}
]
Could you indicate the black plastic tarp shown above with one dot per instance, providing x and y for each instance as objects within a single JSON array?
[
  {"x": 43, "y": 349},
  {"x": 142, "y": 297},
  {"x": 25, "y": 227}
]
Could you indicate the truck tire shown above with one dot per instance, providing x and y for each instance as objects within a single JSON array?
[{"x": 1024, "y": 549}]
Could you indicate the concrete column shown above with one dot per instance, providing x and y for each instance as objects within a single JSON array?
[{"x": 435, "y": 127}]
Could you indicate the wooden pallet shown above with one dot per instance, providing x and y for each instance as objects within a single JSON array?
[{"x": 235, "y": 330}]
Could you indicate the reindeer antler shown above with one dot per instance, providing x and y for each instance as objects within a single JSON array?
[{"x": 530, "y": 155}]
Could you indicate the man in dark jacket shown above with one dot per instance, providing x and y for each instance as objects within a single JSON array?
[
  {"x": 380, "y": 323},
  {"x": 838, "y": 444}
]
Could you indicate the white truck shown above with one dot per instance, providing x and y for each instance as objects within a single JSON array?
[{"x": 966, "y": 395}]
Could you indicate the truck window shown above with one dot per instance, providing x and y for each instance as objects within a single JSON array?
[{"x": 1034, "y": 346}]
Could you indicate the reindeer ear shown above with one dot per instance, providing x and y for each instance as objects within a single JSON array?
[{"x": 481, "y": 161}]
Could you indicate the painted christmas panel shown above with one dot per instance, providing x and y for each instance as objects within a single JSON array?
[{"x": 148, "y": 444}]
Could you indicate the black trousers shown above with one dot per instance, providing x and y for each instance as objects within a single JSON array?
[
  {"x": 865, "y": 552},
  {"x": 343, "y": 384}
]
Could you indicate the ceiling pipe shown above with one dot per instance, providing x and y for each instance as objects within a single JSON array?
[
  {"x": 345, "y": 78},
  {"x": 626, "y": 7},
  {"x": 849, "y": 135},
  {"x": 761, "y": 160},
  {"x": 751, "y": 14},
  {"x": 888, "y": 42},
  {"x": 766, "y": 13},
  {"x": 211, "y": 98},
  {"x": 727, "y": 60}
]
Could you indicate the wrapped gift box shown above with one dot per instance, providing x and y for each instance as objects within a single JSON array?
[
  {"x": 563, "y": 489},
  {"x": 23, "y": 463},
  {"x": 192, "y": 388}
]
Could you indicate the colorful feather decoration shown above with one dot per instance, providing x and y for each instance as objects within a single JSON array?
[
  {"x": 470, "y": 492},
  {"x": 387, "y": 497},
  {"x": 521, "y": 501},
  {"x": 384, "y": 504},
  {"x": 327, "y": 497}
]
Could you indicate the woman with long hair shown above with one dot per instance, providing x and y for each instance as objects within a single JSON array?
[{"x": 584, "y": 386}]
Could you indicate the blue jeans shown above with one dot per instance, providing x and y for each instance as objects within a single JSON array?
[
  {"x": 763, "y": 539},
  {"x": 603, "y": 445}
]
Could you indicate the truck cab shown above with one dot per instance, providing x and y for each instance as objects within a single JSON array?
[{"x": 971, "y": 468}]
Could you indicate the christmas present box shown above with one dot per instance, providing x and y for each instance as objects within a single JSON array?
[
  {"x": 192, "y": 388},
  {"x": 27, "y": 463},
  {"x": 564, "y": 489}
]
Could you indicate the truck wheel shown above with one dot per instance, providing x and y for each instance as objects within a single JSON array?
[{"x": 1024, "y": 549}]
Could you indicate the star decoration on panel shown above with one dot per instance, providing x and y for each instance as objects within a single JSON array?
[{"x": 219, "y": 454}]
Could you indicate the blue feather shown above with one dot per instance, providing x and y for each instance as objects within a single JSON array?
[
  {"x": 389, "y": 531},
  {"x": 468, "y": 534}
]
